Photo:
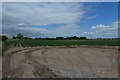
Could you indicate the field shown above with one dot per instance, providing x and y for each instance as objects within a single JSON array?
[
  {"x": 61, "y": 59},
  {"x": 7, "y": 44},
  {"x": 67, "y": 42},
  {"x": 61, "y": 62},
  {"x": 0, "y": 48}
]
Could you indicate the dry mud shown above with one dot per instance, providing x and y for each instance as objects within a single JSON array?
[{"x": 61, "y": 62}]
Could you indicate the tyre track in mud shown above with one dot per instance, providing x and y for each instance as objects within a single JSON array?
[
  {"x": 40, "y": 71},
  {"x": 6, "y": 72}
]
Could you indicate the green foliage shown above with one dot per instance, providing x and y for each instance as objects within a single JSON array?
[
  {"x": 19, "y": 36},
  {"x": 14, "y": 37},
  {"x": 33, "y": 42},
  {"x": 7, "y": 44},
  {"x": 63, "y": 38},
  {"x": 4, "y": 46},
  {"x": 0, "y": 48},
  {"x": 60, "y": 38},
  {"x": 82, "y": 38},
  {"x": 4, "y": 38}
]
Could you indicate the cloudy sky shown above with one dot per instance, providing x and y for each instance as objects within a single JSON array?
[
  {"x": 59, "y": 0},
  {"x": 53, "y": 19}
]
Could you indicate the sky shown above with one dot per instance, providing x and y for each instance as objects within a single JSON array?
[
  {"x": 59, "y": 0},
  {"x": 60, "y": 19}
]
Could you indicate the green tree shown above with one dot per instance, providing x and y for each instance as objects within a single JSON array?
[
  {"x": 83, "y": 38},
  {"x": 14, "y": 37},
  {"x": 4, "y": 38},
  {"x": 59, "y": 37},
  {"x": 20, "y": 36}
]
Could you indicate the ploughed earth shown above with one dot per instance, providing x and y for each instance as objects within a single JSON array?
[{"x": 61, "y": 62}]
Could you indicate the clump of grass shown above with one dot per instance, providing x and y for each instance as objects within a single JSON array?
[
  {"x": 5, "y": 45},
  {"x": 0, "y": 48}
]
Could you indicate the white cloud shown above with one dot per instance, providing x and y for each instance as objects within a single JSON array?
[
  {"x": 43, "y": 13},
  {"x": 112, "y": 27},
  {"x": 92, "y": 17},
  {"x": 60, "y": 0},
  {"x": 25, "y": 15},
  {"x": 106, "y": 30},
  {"x": 101, "y": 27},
  {"x": 103, "y": 31},
  {"x": 88, "y": 32},
  {"x": 0, "y": 18},
  {"x": 20, "y": 17}
]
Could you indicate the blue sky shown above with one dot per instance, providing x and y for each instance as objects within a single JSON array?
[
  {"x": 104, "y": 12},
  {"x": 90, "y": 19}
]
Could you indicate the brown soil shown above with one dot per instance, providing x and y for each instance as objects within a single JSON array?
[{"x": 61, "y": 62}]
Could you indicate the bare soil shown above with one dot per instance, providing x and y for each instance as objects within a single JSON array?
[{"x": 61, "y": 62}]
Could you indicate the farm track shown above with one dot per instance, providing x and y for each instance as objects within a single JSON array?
[
  {"x": 40, "y": 70},
  {"x": 6, "y": 63},
  {"x": 45, "y": 68}
]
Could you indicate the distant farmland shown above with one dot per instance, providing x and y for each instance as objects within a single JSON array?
[{"x": 32, "y": 42}]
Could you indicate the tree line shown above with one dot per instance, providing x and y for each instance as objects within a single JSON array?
[
  {"x": 21, "y": 36},
  {"x": 64, "y": 38}
]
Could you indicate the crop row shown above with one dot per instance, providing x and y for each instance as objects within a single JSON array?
[{"x": 33, "y": 43}]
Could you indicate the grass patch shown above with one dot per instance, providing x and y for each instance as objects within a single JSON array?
[
  {"x": 6, "y": 44},
  {"x": 0, "y": 48}
]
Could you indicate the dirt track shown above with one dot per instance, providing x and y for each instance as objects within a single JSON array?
[{"x": 57, "y": 62}]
